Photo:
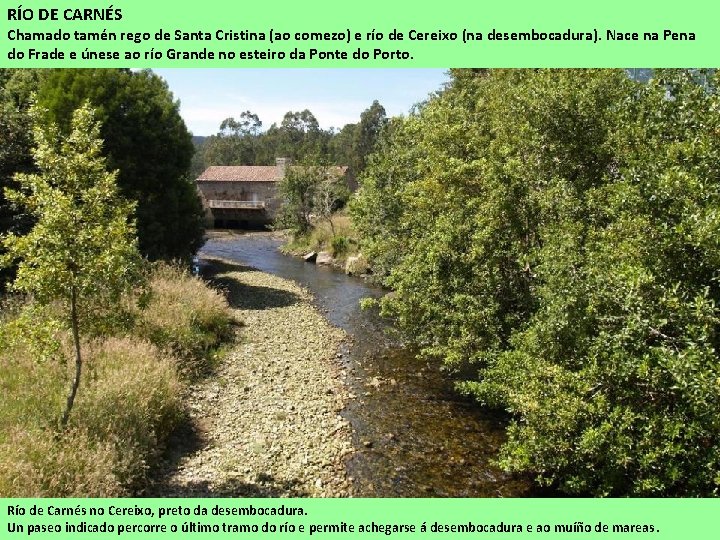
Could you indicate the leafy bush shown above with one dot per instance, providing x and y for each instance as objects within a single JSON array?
[
  {"x": 321, "y": 237},
  {"x": 339, "y": 245},
  {"x": 558, "y": 231}
]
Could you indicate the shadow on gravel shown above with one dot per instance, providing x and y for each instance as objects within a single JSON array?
[
  {"x": 265, "y": 487},
  {"x": 211, "y": 267},
  {"x": 253, "y": 297},
  {"x": 241, "y": 296},
  {"x": 186, "y": 440}
]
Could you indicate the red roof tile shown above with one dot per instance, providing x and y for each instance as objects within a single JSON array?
[
  {"x": 240, "y": 173},
  {"x": 248, "y": 173}
]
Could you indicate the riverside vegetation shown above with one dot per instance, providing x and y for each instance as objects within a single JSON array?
[
  {"x": 554, "y": 237},
  {"x": 144, "y": 338},
  {"x": 134, "y": 334},
  {"x": 129, "y": 401},
  {"x": 341, "y": 240}
]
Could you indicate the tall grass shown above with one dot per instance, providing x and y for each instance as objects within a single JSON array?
[
  {"x": 341, "y": 239},
  {"x": 128, "y": 402},
  {"x": 184, "y": 317},
  {"x": 130, "y": 397},
  {"x": 36, "y": 463},
  {"x": 133, "y": 376}
]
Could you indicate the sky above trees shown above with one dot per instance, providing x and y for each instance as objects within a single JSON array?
[{"x": 335, "y": 96}]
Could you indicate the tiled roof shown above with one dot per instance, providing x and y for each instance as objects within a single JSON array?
[
  {"x": 249, "y": 173},
  {"x": 240, "y": 173}
]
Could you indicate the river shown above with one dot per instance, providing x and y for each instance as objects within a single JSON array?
[{"x": 415, "y": 437}]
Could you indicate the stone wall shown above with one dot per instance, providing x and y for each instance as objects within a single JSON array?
[{"x": 240, "y": 191}]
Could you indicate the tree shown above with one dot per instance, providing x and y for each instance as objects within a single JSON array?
[
  {"x": 297, "y": 189},
  {"x": 248, "y": 124},
  {"x": 146, "y": 140},
  {"x": 377, "y": 209},
  {"x": 298, "y": 123},
  {"x": 82, "y": 250},
  {"x": 299, "y": 136},
  {"x": 310, "y": 189},
  {"x": 354, "y": 143},
  {"x": 372, "y": 121},
  {"x": 623, "y": 350},
  {"x": 556, "y": 231},
  {"x": 342, "y": 147},
  {"x": 236, "y": 143},
  {"x": 16, "y": 87},
  {"x": 330, "y": 193},
  {"x": 14, "y": 156}
]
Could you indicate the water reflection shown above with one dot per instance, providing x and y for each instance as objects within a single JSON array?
[{"x": 415, "y": 437}]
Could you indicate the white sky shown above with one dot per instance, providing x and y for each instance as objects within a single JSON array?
[{"x": 335, "y": 96}]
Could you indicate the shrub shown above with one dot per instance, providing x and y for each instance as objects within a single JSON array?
[
  {"x": 339, "y": 245},
  {"x": 557, "y": 230},
  {"x": 341, "y": 238},
  {"x": 614, "y": 380}
]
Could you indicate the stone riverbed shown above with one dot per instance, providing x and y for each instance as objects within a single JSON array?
[{"x": 267, "y": 422}]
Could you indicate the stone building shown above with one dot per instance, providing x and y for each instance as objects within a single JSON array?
[{"x": 246, "y": 195}]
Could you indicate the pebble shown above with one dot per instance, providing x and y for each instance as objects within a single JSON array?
[{"x": 247, "y": 425}]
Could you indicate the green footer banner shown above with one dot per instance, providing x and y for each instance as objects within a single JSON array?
[{"x": 658, "y": 519}]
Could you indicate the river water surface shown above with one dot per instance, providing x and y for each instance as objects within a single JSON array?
[{"x": 415, "y": 437}]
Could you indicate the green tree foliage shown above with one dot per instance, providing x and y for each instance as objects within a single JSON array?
[
  {"x": 237, "y": 142},
  {"x": 298, "y": 137},
  {"x": 329, "y": 194},
  {"x": 557, "y": 231},
  {"x": 355, "y": 142},
  {"x": 146, "y": 140},
  {"x": 16, "y": 87},
  {"x": 297, "y": 190},
  {"x": 342, "y": 145},
  {"x": 14, "y": 156},
  {"x": 372, "y": 122},
  {"x": 240, "y": 141},
  {"x": 82, "y": 249},
  {"x": 310, "y": 189}
]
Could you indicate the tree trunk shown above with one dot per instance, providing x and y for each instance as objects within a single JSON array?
[{"x": 78, "y": 360}]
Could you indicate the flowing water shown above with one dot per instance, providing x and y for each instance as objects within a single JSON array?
[{"x": 415, "y": 437}]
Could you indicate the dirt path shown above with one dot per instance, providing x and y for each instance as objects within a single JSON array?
[{"x": 267, "y": 422}]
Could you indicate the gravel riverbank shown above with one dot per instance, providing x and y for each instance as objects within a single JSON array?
[{"x": 267, "y": 421}]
